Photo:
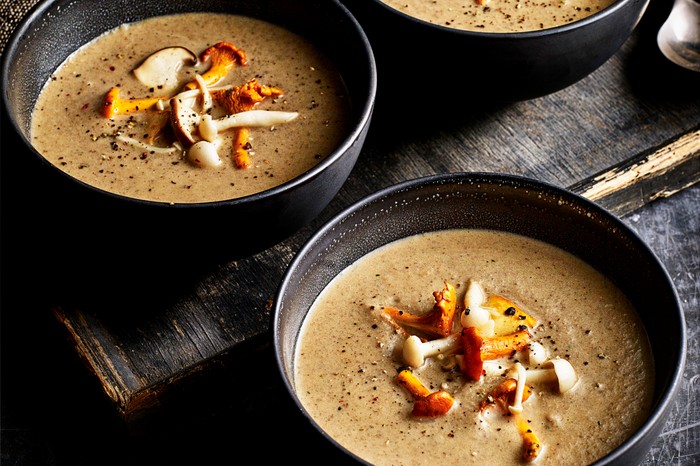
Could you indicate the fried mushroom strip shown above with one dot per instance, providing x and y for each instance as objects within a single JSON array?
[
  {"x": 223, "y": 57},
  {"x": 502, "y": 396},
  {"x": 437, "y": 322},
  {"x": 427, "y": 404}
]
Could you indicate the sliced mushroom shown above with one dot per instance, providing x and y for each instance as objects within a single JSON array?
[
  {"x": 474, "y": 315},
  {"x": 477, "y": 349},
  {"x": 532, "y": 447},
  {"x": 207, "y": 100},
  {"x": 146, "y": 146},
  {"x": 517, "y": 406},
  {"x": 503, "y": 396},
  {"x": 427, "y": 404},
  {"x": 113, "y": 104},
  {"x": 244, "y": 97},
  {"x": 223, "y": 57},
  {"x": 557, "y": 370},
  {"x": 415, "y": 351},
  {"x": 508, "y": 316},
  {"x": 241, "y": 148},
  {"x": 183, "y": 120},
  {"x": 536, "y": 353},
  {"x": 209, "y": 127},
  {"x": 438, "y": 321},
  {"x": 204, "y": 154},
  {"x": 160, "y": 69}
]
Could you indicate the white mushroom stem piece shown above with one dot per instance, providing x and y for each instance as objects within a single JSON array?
[
  {"x": 415, "y": 351},
  {"x": 187, "y": 98},
  {"x": 517, "y": 406},
  {"x": 536, "y": 353},
  {"x": 204, "y": 154},
  {"x": 209, "y": 127},
  {"x": 474, "y": 315},
  {"x": 555, "y": 370},
  {"x": 475, "y": 295},
  {"x": 207, "y": 99},
  {"x": 149, "y": 147},
  {"x": 495, "y": 367}
]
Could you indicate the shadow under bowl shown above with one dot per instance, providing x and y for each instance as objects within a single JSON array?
[{"x": 503, "y": 203}]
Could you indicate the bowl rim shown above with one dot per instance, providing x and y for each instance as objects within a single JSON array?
[
  {"x": 561, "y": 29},
  {"x": 359, "y": 124},
  {"x": 658, "y": 412}
]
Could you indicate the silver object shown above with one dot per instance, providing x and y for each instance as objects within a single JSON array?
[{"x": 679, "y": 36}]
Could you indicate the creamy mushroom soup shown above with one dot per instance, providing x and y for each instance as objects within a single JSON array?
[
  {"x": 474, "y": 347},
  {"x": 191, "y": 108},
  {"x": 499, "y": 15}
]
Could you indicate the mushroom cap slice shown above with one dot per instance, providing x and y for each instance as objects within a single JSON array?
[
  {"x": 434, "y": 405},
  {"x": 160, "y": 69},
  {"x": 566, "y": 374},
  {"x": 183, "y": 120},
  {"x": 557, "y": 370},
  {"x": 204, "y": 154}
]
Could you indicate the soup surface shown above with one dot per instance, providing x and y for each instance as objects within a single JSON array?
[
  {"x": 499, "y": 15},
  {"x": 350, "y": 353},
  {"x": 138, "y": 153}
]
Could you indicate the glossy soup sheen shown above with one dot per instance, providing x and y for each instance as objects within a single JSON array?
[
  {"x": 348, "y": 355},
  {"x": 499, "y": 15},
  {"x": 68, "y": 129}
]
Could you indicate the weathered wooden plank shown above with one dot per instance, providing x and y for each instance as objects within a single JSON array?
[
  {"x": 656, "y": 173},
  {"x": 100, "y": 353},
  {"x": 142, "y": 349}
]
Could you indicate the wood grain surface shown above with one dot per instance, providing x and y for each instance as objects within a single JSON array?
[
  {"x": 658, "y": 172},
  {"x": 188, "y": 343}
]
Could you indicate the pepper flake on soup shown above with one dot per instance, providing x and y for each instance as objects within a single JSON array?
[
  {"x": 188, "y": 111},
  {"x": 492, "y": 338}
]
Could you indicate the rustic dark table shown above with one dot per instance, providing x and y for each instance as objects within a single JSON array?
[{"x": 94, "y": 375}]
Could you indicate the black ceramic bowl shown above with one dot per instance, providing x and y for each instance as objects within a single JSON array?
[
  {"x": 504, "y": 203},
  {"x": 73, "y": 211},
  {"x": 440, "y": 63}
]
